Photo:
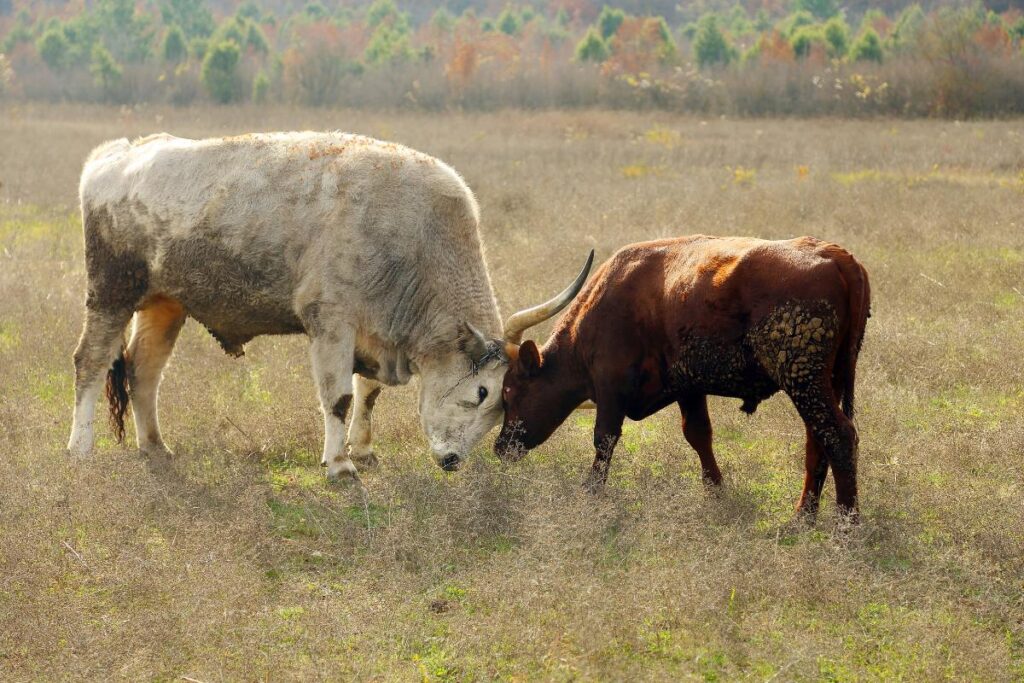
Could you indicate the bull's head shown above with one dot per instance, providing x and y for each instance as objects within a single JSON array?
[{"x": 460, "y": 394}]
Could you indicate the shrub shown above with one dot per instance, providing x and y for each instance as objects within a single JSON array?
[
  {"x": 315, "y": 11},
  {"x": 609, "y": 21},
  {"x": 592, "y": 48},
  {"x": 260, "y": 88},
  {"x": 255, "y": 39},
  {"x": 442, "y": 21},
  {"x": 384, "y": 11},
  {"x": 220, "y": 71},
  {"x": 867, "y": 48},
  {"x": 105, "y": 70},
  {"x": 6, "y": 74},
  {"x": 790, "y": 24},
  {"x": 388, "y": 45},
  {"x": 175, "y": 51},
  {"x": 1017, "y": 30},
  {"x": 837, "y": 35},
  {"x": 313, "y": 69},
  {"x": 54, "y": 48},
  {"x": 907, "y": 30},
  {"x": 248, "y": 10},
  {"x": 804, "y": 38},
  {"x": 197, "y": 48},
  {"x": 710, "y": 47},
  {"x": 194, "y": 18},
  {"x": 509, "y": 22},
  {"x": 822, "y": 9}
]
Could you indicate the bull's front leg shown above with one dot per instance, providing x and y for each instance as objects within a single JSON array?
[
  {"x": 360, "y": 431},
  {"x": 607, "y": 430},
  {"x": 333, "y": 356}
]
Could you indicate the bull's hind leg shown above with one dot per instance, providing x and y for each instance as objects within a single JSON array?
[
  {"x": 333, "y": 356},
  {"x": 99, "y": 345},
  {"x": 697, "y": 430},
  {"x": 154, "y": 332},
  {"x": 360, "y": 431},
  {"x": 815, "y": 472},
  {"x": 796, "y": 346},
  {"x": 837, "y": 438}
]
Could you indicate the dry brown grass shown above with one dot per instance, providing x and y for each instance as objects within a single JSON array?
[{"x": 235, "y": 561}]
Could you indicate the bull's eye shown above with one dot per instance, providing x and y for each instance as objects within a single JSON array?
[{"x": 482, "y": 393}]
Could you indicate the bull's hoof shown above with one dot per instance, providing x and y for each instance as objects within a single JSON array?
[
  {"x": 712, "y": 480},
  {"x": 158, "y": 450},
  {"x": 76, "y": 453},
  {"x": 343, "y": 473},
  {"x": 593, "y": 483},
  {"x": 847, "y": 521},
  {"x": 365, "y": 459}
]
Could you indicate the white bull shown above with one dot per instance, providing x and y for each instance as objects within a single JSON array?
[{"x": 369, "y": 248}]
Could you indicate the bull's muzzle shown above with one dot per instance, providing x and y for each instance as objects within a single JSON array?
[{"x": 450, "y": 462}]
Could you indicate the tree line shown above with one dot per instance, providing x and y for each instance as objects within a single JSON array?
[{"x": 809, "y": 58}]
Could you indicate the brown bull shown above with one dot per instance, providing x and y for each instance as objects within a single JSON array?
[{"x": 674, "y": 320}]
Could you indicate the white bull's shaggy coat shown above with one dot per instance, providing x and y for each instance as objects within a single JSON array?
[{"x": 369, "y": 248}]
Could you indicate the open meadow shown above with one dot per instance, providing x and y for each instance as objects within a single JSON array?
[{"x": 236, "y": 560}]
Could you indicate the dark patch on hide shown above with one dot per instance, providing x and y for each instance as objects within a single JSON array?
[
  {"x": 117, "y": 278},
  {"x": 366, "y": 366},
  {"x": 340, "y": 409},
  {"x": 371, "y": 399},
  {"x": 235, "y": 296},
  {"x": 712, "y": 366}
]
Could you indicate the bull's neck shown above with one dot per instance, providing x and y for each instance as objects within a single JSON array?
[{"x": 566, "y": 378}]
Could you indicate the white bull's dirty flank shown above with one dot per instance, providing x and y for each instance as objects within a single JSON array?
[{"x": 370, "y": 248}]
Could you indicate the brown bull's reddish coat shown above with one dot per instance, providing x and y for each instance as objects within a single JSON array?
[{"x": 674, "y": 320}]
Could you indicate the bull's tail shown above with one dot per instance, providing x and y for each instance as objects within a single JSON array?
[
  {"x": 117, "y": 393},
  {"x": 859, "y": 307}
]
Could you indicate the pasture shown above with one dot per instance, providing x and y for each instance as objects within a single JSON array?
[{"x": 235, "y": 560}]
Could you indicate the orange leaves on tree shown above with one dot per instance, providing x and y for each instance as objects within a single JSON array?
[
  {"x": 638, "y": 46},
  {"x": 993, "y": 38},
  {"x": 773, "y": 48}
]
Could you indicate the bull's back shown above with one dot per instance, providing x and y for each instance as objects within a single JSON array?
[
  {"x": 683, "y": 314},
  {"x": 247, "y": 231}
]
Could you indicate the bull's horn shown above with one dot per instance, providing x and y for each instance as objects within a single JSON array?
[{"x": 523, "y": 320}]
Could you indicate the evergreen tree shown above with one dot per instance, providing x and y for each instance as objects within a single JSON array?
[
  {"x": 53, "y": 48},
  {"x": 867, "y": 48},
  {"x": 105, "y": 70},
  {"x": 710, "y": 47},
  {"x": 175, "y": 51},
  {"x": 220, "y": 71},
  {"x": 837, "y": 35},
  {"x": 592, "y": 48},
  {"x": 609, "y": 21}
]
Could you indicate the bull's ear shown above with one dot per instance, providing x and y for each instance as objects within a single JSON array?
[{"x": 529, "y": 358}]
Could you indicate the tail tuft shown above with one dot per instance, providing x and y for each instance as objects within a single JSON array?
[{"x": 117, "y": 394}]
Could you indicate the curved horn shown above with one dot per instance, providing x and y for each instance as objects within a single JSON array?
[{"x": 523, "y": 320}]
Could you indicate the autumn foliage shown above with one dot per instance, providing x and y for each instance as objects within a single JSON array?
[{"x": 950, "y": 61}]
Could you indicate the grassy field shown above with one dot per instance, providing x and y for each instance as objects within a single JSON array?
[{"x": 236, "y": 561}]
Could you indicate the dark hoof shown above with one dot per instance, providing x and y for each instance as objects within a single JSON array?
[
  {"x": 847, "y": 521},
  {"x": 366, "y": 460},
  {"x": 712, "y": 481},
  {"x": 593, "y": 483}
]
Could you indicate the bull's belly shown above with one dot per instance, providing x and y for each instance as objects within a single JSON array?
[
  {"x": 234, "y": 324},
  {"x": 704, "y": 366},
  {"x": 236, "y": 298}
]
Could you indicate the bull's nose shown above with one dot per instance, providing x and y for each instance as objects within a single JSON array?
[{"x": 450, "y": 462}]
